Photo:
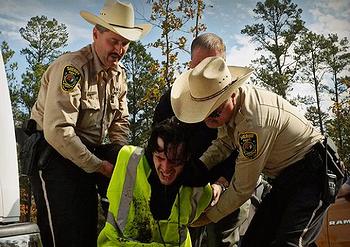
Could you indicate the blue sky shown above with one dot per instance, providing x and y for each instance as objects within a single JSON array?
[{"x": 225, "y": 18}]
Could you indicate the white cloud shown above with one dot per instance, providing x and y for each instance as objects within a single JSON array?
[
  {"x": 79, "y": 35},
  {"x": 13, "y": 16},
  {"x": 330, "y": 24},
  {"x": 337, "y": 5},
  {"x": 242, "y": 53},
  {"x": 331, "y": 17},
  {"x": 9, "y": 28}
]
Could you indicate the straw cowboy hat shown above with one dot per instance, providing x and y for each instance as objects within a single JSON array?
[
  {"x": 197, "y": 92},
  {"x": 118, "y": 17}
]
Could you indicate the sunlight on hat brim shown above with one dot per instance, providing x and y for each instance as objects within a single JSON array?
[
  {"x": 132, "y": 34},
  {"x": 190, "y": 111}
]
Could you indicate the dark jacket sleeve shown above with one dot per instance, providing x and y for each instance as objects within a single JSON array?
[
  {"x": 195, "y": 174},
  {"x": 163, "y": 109}
]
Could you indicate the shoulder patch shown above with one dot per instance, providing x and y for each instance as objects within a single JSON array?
[
  {"x": 71, "y": 77},
  {"x": 248, "y": 142}
]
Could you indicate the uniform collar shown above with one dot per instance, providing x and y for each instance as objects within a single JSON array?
[
  {"x": 237, "y": 107},
  {"x": 97, "y": 62},
  {"x": 111, "y": 72}
]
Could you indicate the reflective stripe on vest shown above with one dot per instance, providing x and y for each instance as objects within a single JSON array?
[{"x": 128, "y": 188}]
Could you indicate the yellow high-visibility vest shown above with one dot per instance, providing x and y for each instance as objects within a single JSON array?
[{"x": 130, "y": 221}]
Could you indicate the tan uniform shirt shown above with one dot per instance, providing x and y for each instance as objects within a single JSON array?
[
  {"x": 79, "y": 102},
  {"x": 270, "y": 134}
]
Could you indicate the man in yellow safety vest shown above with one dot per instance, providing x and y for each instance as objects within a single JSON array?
[{"x": 149, "y": 202}]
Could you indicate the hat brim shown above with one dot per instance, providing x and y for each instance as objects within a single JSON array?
[
  {"x": 132, "y": 34},
  {"x": 189, "y": 110}
]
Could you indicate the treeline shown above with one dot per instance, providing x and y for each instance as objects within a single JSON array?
[{"x": 290, "y": 54}]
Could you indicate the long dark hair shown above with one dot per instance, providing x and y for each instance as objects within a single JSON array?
[{"x": 174, "y": 133}]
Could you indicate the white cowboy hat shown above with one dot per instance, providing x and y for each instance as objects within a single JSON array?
[
  {"x": 197, "y": 92},
  {"x": 118, "y": 17}
]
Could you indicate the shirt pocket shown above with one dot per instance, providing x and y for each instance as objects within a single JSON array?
[
  {"x": 91, "y": 102},
  {"x": 89, "y": 118}
]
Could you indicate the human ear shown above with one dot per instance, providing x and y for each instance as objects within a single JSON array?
[
  {"x": 233, "y": 98},
  {"x": 94, "y": 33}
]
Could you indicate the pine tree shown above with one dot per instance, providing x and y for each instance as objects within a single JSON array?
[
  {"x": 337, "y": 60},
  {"x": 143, "y": 79},
  {"x": 45, "y": 38},
  {"x": 174, "y": 18},
  {"x": 276, "y": 31},
  {"x": 311, "y": 51}
]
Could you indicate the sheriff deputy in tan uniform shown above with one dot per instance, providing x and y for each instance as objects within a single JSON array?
[
  {"x": 273, "y": 138},
  {"x": 82, "y": 100}
]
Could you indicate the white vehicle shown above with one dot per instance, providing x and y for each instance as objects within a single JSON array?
[{"x": 12, "y": 233}]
